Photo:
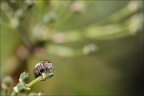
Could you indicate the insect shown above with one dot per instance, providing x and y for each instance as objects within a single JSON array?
[{"x": 43, "y": 66}]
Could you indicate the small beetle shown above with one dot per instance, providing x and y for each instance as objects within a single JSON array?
[{"x": 43, "y": 66}]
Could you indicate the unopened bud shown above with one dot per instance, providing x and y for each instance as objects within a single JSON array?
[
  {"x": 24, "y": 77},
  {"x": 47, "y": 75},
  {"x": 6, "y": 82},
  {"x": 20, "y": 87}
]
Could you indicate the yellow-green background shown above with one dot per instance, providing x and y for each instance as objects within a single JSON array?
[{"x": 115, "y": 69}]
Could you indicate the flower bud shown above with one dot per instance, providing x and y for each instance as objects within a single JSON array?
[
  {"x": 47, "y": 75},
  {"x": 24, "y": 77},
  {"x": 20, "y": 87},
  {"x": 6, "y": 82}
]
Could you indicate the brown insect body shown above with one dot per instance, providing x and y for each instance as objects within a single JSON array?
[{"x": 43, "y": 66}]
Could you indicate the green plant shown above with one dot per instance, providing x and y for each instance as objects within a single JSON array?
[
  {"x": 32, "y": 30},
  {"x": 42, "y": 73}
]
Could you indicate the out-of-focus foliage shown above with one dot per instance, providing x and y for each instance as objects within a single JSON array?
[{"x": 96, "y": 45}]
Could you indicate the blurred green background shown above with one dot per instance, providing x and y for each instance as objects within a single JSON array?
[{"x": 95, "y": 45}]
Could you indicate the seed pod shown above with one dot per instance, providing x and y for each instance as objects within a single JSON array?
[{"x": 41, "y": 67}]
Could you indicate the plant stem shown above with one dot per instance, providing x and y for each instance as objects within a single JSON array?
[
  {"x": 38, "y": 79},
  {"x": 34, "y": 81},
  {"x": 28, "y": 85}
]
